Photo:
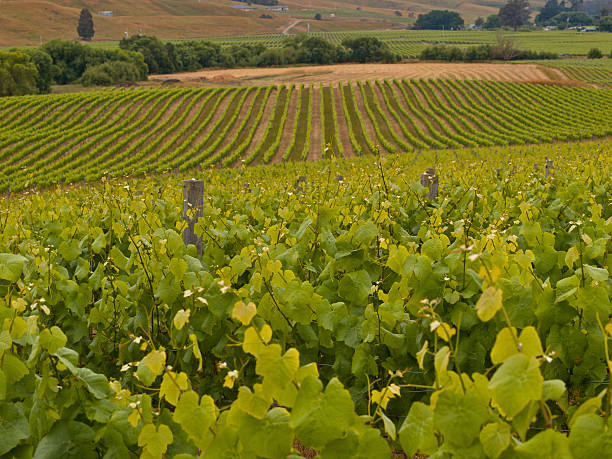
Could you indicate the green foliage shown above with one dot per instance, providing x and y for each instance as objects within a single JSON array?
[
  {"x": 355, "y": 319},
  {"x": 493, "y": 22},
  {"x": 369, "y": 49},
  {"x": 110, "y": 73},
  {"x": 479, "y": 54},
  {"x": 18, "y": 74},
  {"x": 515, "y": 13},
  {"x": 45, "y": 67},
  {"x": 72, "y": 59},
  {"x": 301, "y": 49},
  {"x": 595, "y": 53},
  {"x": 570, "y": 19},
  {"x": 85, "y": 27},
  {"x": 605, "y": 24},
  {"x": 439, "y": 20}
]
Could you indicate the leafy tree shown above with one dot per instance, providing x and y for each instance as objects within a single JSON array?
[
  {"x": 71, "y": 59},
  {"x": 570, "y": 19},
  {"x": 515, "y": 13},
  {"x": 550, "y": 10},
  {"x": 369, "y": 49},
  {"x": 155, "y": 52},
  {"x": 438, "y": 20},
  {"x": 479, "y": 22},
  {"x": 605, "y": 24},
  {"x": 85, "y": 28},
  {"x": 318, "y": 17},
  {"x": 493, "y": 22},
  {"x": 46, "y": 69},
  {"x": 18, "y": 74},
  {"x": 316, "y": 50}
]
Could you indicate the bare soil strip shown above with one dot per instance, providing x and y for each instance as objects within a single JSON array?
[
  {"x": 354, "y": 72},
  {"x": 343, "y": 134},
  {"x": 403, "y": 104},
  {"x": 360, "y": 107},
  {"x": 288, "y": 132},
  {"x": 139, "y": 107},
  {"x": 315, "y": 152},
  {"x": 463, "y": 122},
  {"x": 175, "y": 107},
  {"x": 263, "y": 125},
  {"x": 438, "y": 122},
  {"x": 201, "y": 115},
  {"x": 229, "y": 136},
  {"x": 219, "y": 111},
  {"x": 385, "y": 109}
]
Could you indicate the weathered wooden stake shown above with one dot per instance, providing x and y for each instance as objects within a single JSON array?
[
  {"x": 549, "y": 168},
  {"x": 298, "y": 188},
  {"x": 429, "y": 179},
  {"x": 193, "y": 202}
]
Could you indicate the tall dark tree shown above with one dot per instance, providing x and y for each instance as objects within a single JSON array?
[
  {"x": 85, "y": 29},
  {"x": 515, "y": 13}
]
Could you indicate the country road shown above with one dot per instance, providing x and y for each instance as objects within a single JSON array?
[{"x": 291, "y": 26}]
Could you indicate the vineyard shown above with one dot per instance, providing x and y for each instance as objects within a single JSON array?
[
  {"x": 338, "y": 307},
  {"x": 53, "y": 139},
  {"x": 410, "y": 43},
  {"x": 597, "y": 72}
]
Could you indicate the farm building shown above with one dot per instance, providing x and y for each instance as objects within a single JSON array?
[
  {"x": 277, "y": 8},
  {"x": 243, "y": 7},
  {"x": 106, "y": 13}
]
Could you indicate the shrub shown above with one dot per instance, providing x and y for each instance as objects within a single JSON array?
[
  {"x": 18, "y": 74},
  {"x": 369, "y": 49},
  {"x": 110, "y": 73},
  {"x": 595, "y": 53}
]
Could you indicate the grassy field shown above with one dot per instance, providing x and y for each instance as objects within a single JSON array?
[{"x": 71, "y": 137}]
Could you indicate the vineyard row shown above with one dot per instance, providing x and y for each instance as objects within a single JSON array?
[{"x": 68, "y": 138}]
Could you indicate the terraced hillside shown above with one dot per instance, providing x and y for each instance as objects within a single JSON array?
[{"x": 68, "y": 138}]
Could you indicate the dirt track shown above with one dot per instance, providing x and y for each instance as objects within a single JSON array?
[{"x": 352, "y": 72}]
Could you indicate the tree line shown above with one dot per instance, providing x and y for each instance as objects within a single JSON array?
[
  {"x": 34, "y": 70},
  {"x": 516, "y": 13},
  {"x": 163, "y": 57}
]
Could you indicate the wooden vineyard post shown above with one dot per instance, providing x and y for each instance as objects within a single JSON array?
[
  {"x": 429, "y": 179},
  {"x": 549, "y": 168},
  {"x": 298, "y": 188},
  {"x": 193, "y": 202}
]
